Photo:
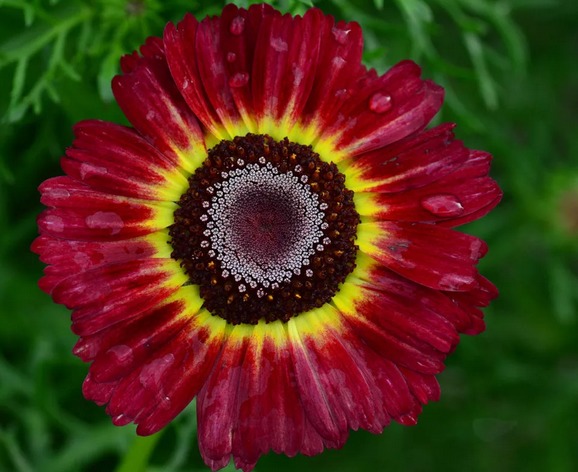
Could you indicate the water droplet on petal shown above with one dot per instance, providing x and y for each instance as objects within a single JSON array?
[
  {"x": 340, "y": 35},
  {"x": 455, "y": 282},
  {"x": 343, "y": 93},
  {"x": 58, "y": 193},
  {"x": 443, "y": 205},
  {"x": 82, "y": 260},
  {"x": 379, "y": 102},
  {"x": 54, "y": 223},
  {"x": 237, "y": 25},
  {"x": 105, "y": 220},
  {"x": 90, "y": 170},
  {"x": 152, "y": 373},
  {"x": 338, "y": 62},
  {"x": 165, "y": 402},
  {"x": 279, "y": 45},
  {"x": 121, "y": 355},
  {"x": 240, "y": 79},
  {"x": 231, "y": 57},
  {"x": 477, "y": 249},
  {"x": 298, "y": 75}
]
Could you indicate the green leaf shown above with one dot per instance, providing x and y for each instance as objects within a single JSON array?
[
  {"x": 108, "y": 69},
  {"x": 418, "y": 16},
  {"x": 485, "y": 80}
]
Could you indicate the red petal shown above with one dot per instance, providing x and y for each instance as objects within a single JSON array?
[
  {"x": 219, "y": 89},
  {"x": 217, "y": 402},
  {"x": 430, "y": 255},
  {"x": 212, "y": 73},
  {"x": 480, "y": 296},
  {"x": 117, "y": 160},
  {"x": 488, "y": 194},
  {"x": 71, "y": 257},
  {"x": 151, "y": 101},
  {"x": 195, "y": 356},
  {"x": 155, "y": 392},
  {"x": 408, "y": 319},
  {"x": 360, "y": 126},
  {"x": 285, "y": 63},
  {"x": 425, "y": 388},
  {"x": 330, "y": 423},
  {"x": 84, "y": 214},
  {"x": 338, "y": 69},
  {"x": 368, "y": 316},
  {"x": 390, "y": 385},
  {"x": 410, "y": 163},
  {"x": 152, "y": 48},
  {"x": 270, "y": 412},
  {"x": 239, "y": 29},
  {"x": 111, "y": 283},
  {"x": 419, "y": 300},
  {"x": 136, "y": 303},
  {"x": 347, "y": 379},
  {"x": 97, "y": 392},
  {"x": 451, "y": 200},
  {"x": 180, "y": 44},
  {"x": 125, "y": 345}
]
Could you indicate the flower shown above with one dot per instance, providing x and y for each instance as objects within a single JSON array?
[{"x": 274, "y": 235}]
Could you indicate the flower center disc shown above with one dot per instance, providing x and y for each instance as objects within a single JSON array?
[{"x": 266, "y": 229}]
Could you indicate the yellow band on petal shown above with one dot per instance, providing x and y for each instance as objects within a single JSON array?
[
  {"x": 348, "y": 297},
  {"x": 367, "y": 233},
  {"x": 175, "y": 183},
  {"x": 163, "y": 214},
  {"x": 315, "y": 322},
  {"x": 366, "y": 204},
  {"x": 216, "y": 326}
]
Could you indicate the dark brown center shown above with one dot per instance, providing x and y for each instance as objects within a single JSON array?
[{"x": 266, "y": 229}]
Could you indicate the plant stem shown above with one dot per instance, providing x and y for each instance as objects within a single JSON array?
[{"x": 137, "y": 457}]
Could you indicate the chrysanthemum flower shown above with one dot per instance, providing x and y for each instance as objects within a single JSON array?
[{"x": 274, "y": 236}]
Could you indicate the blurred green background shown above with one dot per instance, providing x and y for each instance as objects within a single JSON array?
[{"x": 509, "y": 397}]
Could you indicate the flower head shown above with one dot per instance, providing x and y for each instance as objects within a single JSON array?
[{"x": 273, "y": 235}]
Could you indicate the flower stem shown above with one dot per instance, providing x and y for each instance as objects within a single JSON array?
[{"x": 137, "y": 457}]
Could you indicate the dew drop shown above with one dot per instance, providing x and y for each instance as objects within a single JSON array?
[
  {"x": 105, "y": 220},
  {"x": 237, "y": 25},
  {"x": 240, "y": 79},
  {"x": 340, "y": 35},
  {"x": 455, "y": 282},
  {"x": 152, "y": 373},
  {"x": 54, "y": 223},
  {"x": 338, "y": 62},
  {"x": 121, "y": 355},
  {"x": 82, "y": 260},
  {"x": 477, "y": 249},
  {"x": 298, "y": 75},
  {"x": 89, "y": 170},
  {"x": 443, "y": 205},
  {"x": 279, "y": 45},
  {"x": 343, "y": 94},
  {"x": 380, "y": 103},
  {"x": 58, "y": 193},
  {"x": 231, "y": 57},
  {"x": 165, "y": 402}
]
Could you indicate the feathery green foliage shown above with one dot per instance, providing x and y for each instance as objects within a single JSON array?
[{"x": 510, "y": 73}]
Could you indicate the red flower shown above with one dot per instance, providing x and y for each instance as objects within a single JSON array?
[{"x": 274, "y": 236}]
